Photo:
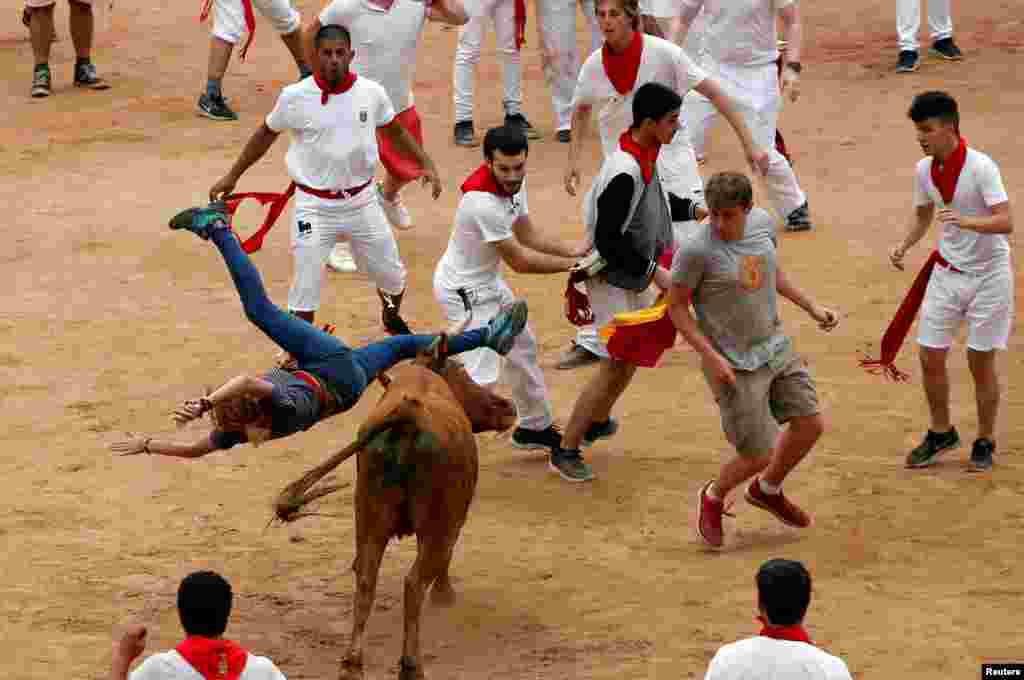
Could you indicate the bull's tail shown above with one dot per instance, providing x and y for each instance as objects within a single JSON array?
[{"x": 299, "y": 493}]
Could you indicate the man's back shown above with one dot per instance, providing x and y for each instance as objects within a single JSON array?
[
  {"x": 765, "y": 658},
  {"x": 171, "y": 665}
]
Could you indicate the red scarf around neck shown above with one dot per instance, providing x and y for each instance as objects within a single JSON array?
[
  {"x": 212, "y": 658},
  {"x": 343, "y": 86},
  {"x": 482, "y": 179},
  {"x": 795, "y": 633},
  {"x": 946, "y": 173},
  {"x": 646, "y": 157},
  {"x": 623, "y": 68}
]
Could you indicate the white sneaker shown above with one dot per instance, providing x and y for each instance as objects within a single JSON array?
[
  {"x": 340, "y": 259},
  {"x": 396, "y": 211}
]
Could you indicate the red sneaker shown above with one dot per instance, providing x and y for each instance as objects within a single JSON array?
[
  {"x": 778, "y": 505},
  {"x": 709, "y": 517}
]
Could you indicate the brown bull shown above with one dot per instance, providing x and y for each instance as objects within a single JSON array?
[{"x": 416, "y": 474}]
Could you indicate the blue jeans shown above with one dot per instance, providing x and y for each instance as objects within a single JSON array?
[{"x": 347, "y": 371}]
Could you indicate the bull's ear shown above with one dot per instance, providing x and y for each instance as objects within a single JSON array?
[{"x": 385, "y": 380}]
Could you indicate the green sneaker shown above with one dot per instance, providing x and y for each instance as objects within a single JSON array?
[
  {"x": 934, "y": 444},
  {"x": 202, "y": 221},
  {"x": 569, "y": 464},
  {"x": 505, "y": 326}
]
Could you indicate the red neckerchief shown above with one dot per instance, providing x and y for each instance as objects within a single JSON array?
[
  {"x": 795, "y": 633},
  {"x": 482, "y": 179},
  {"x": 214, "y": 659},
  {"x": 344, "y": 85},
  {"x": 645, "y": 157},
  {"x": 946, "y": 173},
  {"x": 622, "y": 69}
]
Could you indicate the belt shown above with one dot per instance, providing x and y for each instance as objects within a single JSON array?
[
  {"x": 943, "y": 263},
  {"x": 328, "y": 404},
  {"x": 334, "y": 194}
]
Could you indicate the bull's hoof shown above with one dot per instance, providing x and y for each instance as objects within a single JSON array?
[
  {"x": 351, "y": 669},
  {"x": 442, "y": 594},
  {"x": 410, "y": 670}
]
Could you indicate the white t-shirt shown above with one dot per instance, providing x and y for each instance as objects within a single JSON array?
[
  {"x": 172, "y": 666},
  {"x": 740, "y": 32},
  {"x": 979, "y": 187},
  {"x": 385, "y": 41},
  {"x": 334, "y": 145},
  {"x": 660, "y": 62},
  {"x": 482, "y": 220},
  {"x": 759, "y": 658}
]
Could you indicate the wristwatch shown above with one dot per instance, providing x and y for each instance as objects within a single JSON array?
[{"x": 796, "y": 66}]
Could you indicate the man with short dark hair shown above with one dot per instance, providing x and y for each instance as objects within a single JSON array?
[
  {"x": 204, "y": 606},
  {"x": 729, "y": 270},
  {"x": 783, "y": 650},
  {"x": 493, "y": 226}
]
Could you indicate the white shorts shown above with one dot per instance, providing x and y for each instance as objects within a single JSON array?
[
  {"x": 39, "y": 4},
  {"x": 229, "y": 18},
  {"x": 319, "y": 223},
  {"x": 606, "y": 301},
  {"x": 985, "y": 301}
]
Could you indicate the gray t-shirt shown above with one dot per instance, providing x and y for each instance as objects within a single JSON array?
[
  {"x": 294, "y": 407},
  {"x": 733, "y": 284}
]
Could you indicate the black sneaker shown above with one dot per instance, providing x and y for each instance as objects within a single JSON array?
[
  {"x": 215, "y": 108},
  {"x": 86, "y": 76},
  {"x": 564, "y": 136},
  {"x": 981, "y": 455},
  {"x": 907, "y": 61},
  {"x": 934, "y": 444},
  {"x": 464, "y": 133},
  {"x": 946, "y": 49},
  {"x": 569, "y": 464},
  {"x": 598, "y": 431},
  {"x": 41, "y": 84},
  {"x": 799, "y": 219},
  {"x": 520, "y": 120},
  {"x": 548, "y": 438}
]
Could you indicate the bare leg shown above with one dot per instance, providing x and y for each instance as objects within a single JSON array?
[
  {"x": 41, "y": 29},
  {"x": 736, "y": 471},
  {"x": 936, "y": 386},
  {"x": 986, "y": 390},
  {"x": 793, "y": 444},
  {"x": 293, "y": 41},
  {"x": 220, "y": 55},
  {"x": 597, "y": 399},
  {"x": 367, "y": 566},
  {"x": 81, "y": 20}
]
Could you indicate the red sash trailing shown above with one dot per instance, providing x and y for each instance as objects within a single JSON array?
[
  {"x": 520, "y": 19},
  {"x": 944, "y": 175},
  {"x": 214, "y": 659},
  {"x": 795, "y": 633},
  {"x": 646, "y": 157},
  {"x": 277, "y": 202},
  {"x": 482, "y": 179},
  {"x": 250, "y": 22},
  {"x": 623, "y": 68}
]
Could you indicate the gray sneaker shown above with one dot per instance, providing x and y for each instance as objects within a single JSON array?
[
  {"x": 946, "y": 49},
  {"x": 929, "y": 450},
  {"x": 215, "y": 108},
  {"x": 86, "y": 76},
  {"x": 41, "y": 83},
  {"x": 907, "y": 62},
  {"x": 503, "y": 328},
  {"x": 464, "y": 134},
  {"x": 799, "y": 219},
  {"x": 598, "y": 431},
  {"x": 570, "y": 466},
  {"x": 981, "y": 455}
]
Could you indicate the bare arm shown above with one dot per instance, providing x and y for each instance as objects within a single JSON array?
[
  {"x": 918, "y": 228},
  {"x": 580, "y": 128},
  {"x": 531, "y": 237},
  {"x": 309, "y": 42},
  {"x": 758, "y": 158},
  {"x": 131, "y": 643},
  {"x": 448, "y": 12},
  {"x": 406, "y": 145},
  {"x": 525, "y": 261},
  {"x": 999, "y": 222},
  {"x": 163, "y": 447},
  {"x": 255, "y": 149},
  {"x": 682, "y": 319},
  {"x": 239, "y": 386},
  {"x": 792, "y": 32}
]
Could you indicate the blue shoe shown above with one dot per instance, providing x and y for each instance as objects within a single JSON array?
[
  {"x": 201, "y": 221},
  {"x": 598, "y": 431},
  {"x": 503, "y": 328}
]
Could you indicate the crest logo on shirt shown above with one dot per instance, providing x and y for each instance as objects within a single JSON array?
[
  {"x": 362, "y": 116},
  {"x": 751, "y": 272}
]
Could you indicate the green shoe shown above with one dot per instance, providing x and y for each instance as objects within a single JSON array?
[
  {"x": 569, "y": 464},
  {"x": 202, "y": 221},
  {"x": 934, "y": 444}
]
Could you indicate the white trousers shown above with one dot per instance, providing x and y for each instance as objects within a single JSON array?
[
  {"x": 320, "y": 223},
  {"x": 908, "y": 22},
  {"x": 529, "y": 392},
  {"x": 229, "y": 18},
  {"x": 590, "y": 14},
  {"x": 755, "y": 95},
  {"x": 467, "y": 55},
  {"x": 556, "y": 23}
]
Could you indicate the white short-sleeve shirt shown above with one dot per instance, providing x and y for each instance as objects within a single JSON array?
[
  {"x": 762, "y": 657},
  {"x": 740, "y": 32},
  {"x": 482, "y": 220},
  {"x": 660, "y": 62},
  {"x": 333, "y": 145},
  {"x": 172, "y": 666},
  {"x": 384, "y": 40},
  {"x": 978, "y": 189}
]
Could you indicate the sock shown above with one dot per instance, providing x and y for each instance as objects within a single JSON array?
[
  {"x": 213, "y": 88},
  {"x": 770, "y": 489}
]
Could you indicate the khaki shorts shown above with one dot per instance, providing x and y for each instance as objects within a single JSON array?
[{"x": 762, "y": 401}]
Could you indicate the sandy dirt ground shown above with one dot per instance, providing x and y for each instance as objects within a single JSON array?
[{"x": 108, "y": 321}]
